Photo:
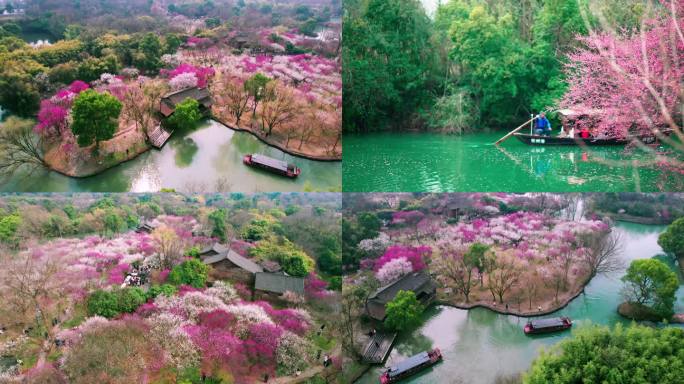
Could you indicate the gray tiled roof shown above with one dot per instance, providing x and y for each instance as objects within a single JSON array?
[
  {"x": 417, "y": 282},
  {"x": 242, "y": 262},
  {"x": 278, "y": 283},
  {"x": 215, "y": 248}
]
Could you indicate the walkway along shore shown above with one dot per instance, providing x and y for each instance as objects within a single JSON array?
[{"x": 278, "y": 145}]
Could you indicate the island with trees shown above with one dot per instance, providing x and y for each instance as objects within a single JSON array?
[
  {"x": 109, "y": 86},
  {"x": 521, "y": 255},
  {"x": 170, "y": 288}
]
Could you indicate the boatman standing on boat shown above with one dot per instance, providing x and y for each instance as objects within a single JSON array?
[{"x": 543, "y": 126}]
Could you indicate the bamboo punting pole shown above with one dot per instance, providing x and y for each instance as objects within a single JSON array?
[{"x": 509, "y": 134}]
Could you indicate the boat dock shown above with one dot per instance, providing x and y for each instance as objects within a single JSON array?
[
  {"x": 378, "y": 347},
  {"x": 159, "y": 136}
]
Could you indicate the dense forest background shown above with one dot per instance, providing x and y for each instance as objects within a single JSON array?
[{"x": 475, "y": 64}]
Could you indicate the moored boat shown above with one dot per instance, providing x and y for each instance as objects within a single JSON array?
[
  {"x": 557, "y": 140},
  {"x": 552, "y": 324},
  {"x": 273, "y": 165},
  {"x": 411, "y": 366}
]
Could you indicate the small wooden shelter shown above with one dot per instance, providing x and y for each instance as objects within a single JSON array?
[{"x": 419, "y": 283}]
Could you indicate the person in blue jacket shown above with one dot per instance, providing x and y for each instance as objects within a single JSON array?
[{"x": 543, "y": 126}]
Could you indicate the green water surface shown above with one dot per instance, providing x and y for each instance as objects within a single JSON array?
[
  {"x": 427, "y": 162},
  {"x": 207, "y": 159},
  {"x": 480, "y": 346}
]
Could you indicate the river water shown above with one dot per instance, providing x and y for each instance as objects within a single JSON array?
[
  {"x": 426, "y": 162},
  {"x": 207, "y": 159},
  {"x": 480, "y": 346}
]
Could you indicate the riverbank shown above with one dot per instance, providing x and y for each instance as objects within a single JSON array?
[
  {"x": 124, "y": 146},
  {"x": 634, "y": 219},
  {"x": 313, "y": 153},
  {"x": 544, "y": 302}
]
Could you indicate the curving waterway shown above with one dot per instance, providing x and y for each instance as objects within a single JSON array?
[
  {"x": 480, "y": 346},
  {"x": 428, "y": 162},
  {"x": 207, "y": 159}
]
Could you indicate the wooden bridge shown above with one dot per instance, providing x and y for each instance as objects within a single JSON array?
[
  {"x": 158, "y": 136},
  {"x": 378, "y": 348}
]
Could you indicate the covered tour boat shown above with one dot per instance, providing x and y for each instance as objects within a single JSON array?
[
  {"x": 553, "y": 324},
  {"x": 273, "y": 165},
  {"x": 558, "y": 140},
  {"x": 411, "y": 366}
]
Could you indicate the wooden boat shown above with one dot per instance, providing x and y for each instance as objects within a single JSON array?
[
  {"x": 556, "y": 140},
  {"x": 273, "y": 165},
  {"x": 411, "y": 366},
  {"x": 553, "y": 324}
]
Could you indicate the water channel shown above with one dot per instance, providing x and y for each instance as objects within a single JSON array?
[
  {"x": 207, "y": 159},
  {"x": 420, "y": 162}
]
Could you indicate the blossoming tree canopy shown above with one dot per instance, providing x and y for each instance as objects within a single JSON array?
[
  {"x": 201, "y": 75},
  {"x": 630, "y": 83}
]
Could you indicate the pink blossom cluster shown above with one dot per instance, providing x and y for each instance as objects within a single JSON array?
[
  {"x": 317, "y": 78},
  {"x": 393, "y": 270},
  {"x": 201, "y": 73},
  {"x": 531, "y": 235},
  {"x": 198, "y": 42},
  {"x": 414, "y": 255},
  {"x": 228, "y": 332},
  {"x": 626, "y": 83},
  {"x": 316, "y": 288},
  {"x": 52, "y": 118},
  {"x": 407, "y": 217}
]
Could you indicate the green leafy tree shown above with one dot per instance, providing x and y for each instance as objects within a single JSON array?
[
  {"x": 672, "y": 240},
  {"x": 390, "y": 62},
  {"x": 218, "y": 224},
  {"x": 18, "y": 94},
  {"x": 171, "y": 43},
  {"x": 103, "y": 303},
  {"x": 212, "y": 22},
  {"x": 256, "y": 230},
  {"x": 91, "y": 68},
  {"x": 256, "y": 87},
  {"x": 8, "y": 229},
  {"x": 293, "y": 260},
  {"x": 480, "y": 257},
  {"x": 624, "y": 355},
  {"x": 72, "y": 31},
  {"x": 651, "y": 283},
  {"x": 113, "y": 223},
  {"x": 190, "y": 272},
  {"x": 129, "y": 299},
  {"x": 95, "y": 117},
  {"x": 403, "y": 312},
  {"x": 150, "y": 52},
  {"x": 163, "y": 289},
  {"x": 186, "y": 115},
  {"x": 369, "y": 225}
]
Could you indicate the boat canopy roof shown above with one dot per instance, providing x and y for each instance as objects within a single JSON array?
[
  {"x": 578, "y": 110},
  {"x": 270, "y": 162},
  {"x": 548, "y": 323},
  {"x": 409, "y": 363}
]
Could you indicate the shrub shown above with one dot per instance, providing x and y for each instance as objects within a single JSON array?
[{"x": 190, "y": 272}]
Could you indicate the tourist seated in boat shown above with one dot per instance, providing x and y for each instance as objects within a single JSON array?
[{"x": 543, "y": 125}]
